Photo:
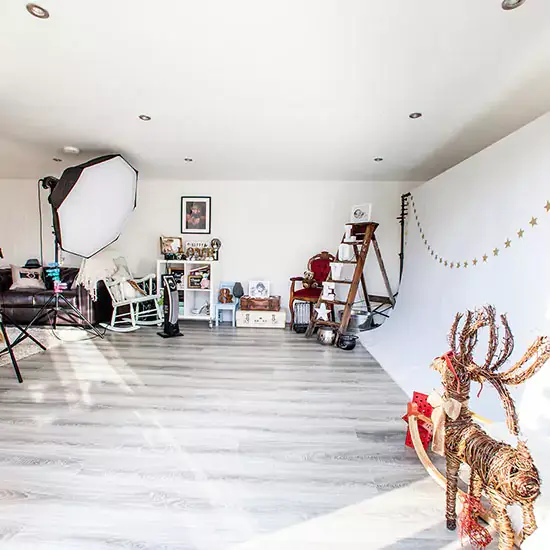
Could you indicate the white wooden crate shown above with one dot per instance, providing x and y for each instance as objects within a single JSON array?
[{"x": 261, "y": 319}]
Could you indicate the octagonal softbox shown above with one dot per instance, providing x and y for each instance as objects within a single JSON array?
[{"x": 91, "y": 203}]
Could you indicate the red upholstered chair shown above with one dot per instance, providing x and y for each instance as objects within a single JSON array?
[{"x": 319, "y": 265}]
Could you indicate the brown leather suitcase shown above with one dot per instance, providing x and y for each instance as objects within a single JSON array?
[{"x": 273, "y": 303}]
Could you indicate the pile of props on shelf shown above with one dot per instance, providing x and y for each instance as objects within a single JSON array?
[{"x": 506, "y": 474}]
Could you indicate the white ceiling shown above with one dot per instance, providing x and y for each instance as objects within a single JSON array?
[{"x": 268, "y": 89}]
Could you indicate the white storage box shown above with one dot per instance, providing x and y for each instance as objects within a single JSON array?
[{"x": 262, "y": 319}]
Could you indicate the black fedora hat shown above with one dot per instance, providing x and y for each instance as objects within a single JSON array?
[{"x": 32, "y": 263}]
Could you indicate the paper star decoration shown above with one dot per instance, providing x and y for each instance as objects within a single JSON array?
[
  {"x": 452, "y": 265},
  {"x": 445, "y": 263},
  {"x": 465, "y": 264},
  {"x": 520, "y": 234},
  {"x": 495, "y": 252},
  {"x": 533, "y": 222},
  {"x": 547, "y": 207},
  {"x": 322, "y": 312},
  {"x": 508, "y": 243},
  {"x": 474, "y": 261},
  {"x": 485, "y": 257},
  {"x": 458, "y": 265}
]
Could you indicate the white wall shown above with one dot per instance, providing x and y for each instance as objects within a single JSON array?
[
  {"x": 268, "y": 229},
  {"x": 19, "y": 222},
  {"x": 465, "y": 213}
]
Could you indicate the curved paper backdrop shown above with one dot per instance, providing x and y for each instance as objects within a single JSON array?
[{"x": 467, "y": 212}]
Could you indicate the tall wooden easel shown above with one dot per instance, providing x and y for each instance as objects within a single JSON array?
[{"x": 362, "y": 235}]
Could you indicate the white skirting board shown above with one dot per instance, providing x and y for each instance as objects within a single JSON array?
[{"x": 262, "y": 319}]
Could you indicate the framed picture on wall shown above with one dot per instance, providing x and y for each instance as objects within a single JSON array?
[{"x": 195, "y": 214}]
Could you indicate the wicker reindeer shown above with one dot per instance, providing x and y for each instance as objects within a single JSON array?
[{"x": 506, "y": 474}]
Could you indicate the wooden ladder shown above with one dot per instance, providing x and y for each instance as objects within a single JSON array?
[{"x": 364, "y": 234}]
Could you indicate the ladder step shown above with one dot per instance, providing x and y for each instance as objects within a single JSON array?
[
  {"x": 339, "y": 282},
  {"x": 336, "y": 302},
  {"x": 379, "y": 299},
  {"x": 345, "y": 262},
  {"x": 327, "y": 324}
]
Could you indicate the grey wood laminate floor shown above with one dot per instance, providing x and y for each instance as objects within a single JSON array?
[{"x": 225, "y": 438}]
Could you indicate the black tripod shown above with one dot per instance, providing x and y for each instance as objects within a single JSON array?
[
  {"x": 58, "y": 307},
  {"x": 9, "y": 345}
]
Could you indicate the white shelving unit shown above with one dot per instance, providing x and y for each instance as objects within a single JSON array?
[{"x": 193, "y": 298}]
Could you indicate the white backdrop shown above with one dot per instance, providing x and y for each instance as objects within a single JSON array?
[{"x": 465, "y": 213}]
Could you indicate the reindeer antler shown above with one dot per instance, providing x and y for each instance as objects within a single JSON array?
[
  {"x": 539, "y": 351},
  {"x": 507, "y": 344},
  {"x": 541, "y": 348},
  {"x": 453, "y": 331}
]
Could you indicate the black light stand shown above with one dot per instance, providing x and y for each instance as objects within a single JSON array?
[
  {"x": 9, "y": 345},
  {"x": 58, "y": 305},
  {"x": 402, "y": 219}
]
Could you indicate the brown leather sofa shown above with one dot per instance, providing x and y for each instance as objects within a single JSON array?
[{"x": 22, "y": 305}]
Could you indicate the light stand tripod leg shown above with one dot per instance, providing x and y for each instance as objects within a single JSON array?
[
  {"x": 44, "y": 310},
  {"x": 10, "y": 351},
  {"x": 81, "y": 317},
  {"x": 23, "y": 333}
]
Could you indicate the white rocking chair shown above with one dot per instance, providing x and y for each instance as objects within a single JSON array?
[{"x": 138, "y": 302}]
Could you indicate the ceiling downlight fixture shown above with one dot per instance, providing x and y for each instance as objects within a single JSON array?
[
  {"x": 512, "y": 4},
  {"x": 38, "y": 11},
  {"x": 378, "y": 159},
  {"x": 146, "y": 118},
  {"x": 188, "y": 159},
  {"x": 55, "y": 159},
  {"x": 415, "y": 115}
]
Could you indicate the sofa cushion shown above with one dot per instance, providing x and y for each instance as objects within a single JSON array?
[{"x": 24, "y": 278}]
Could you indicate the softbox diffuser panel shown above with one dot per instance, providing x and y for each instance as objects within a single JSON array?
[{"x": 91, "y": 204}]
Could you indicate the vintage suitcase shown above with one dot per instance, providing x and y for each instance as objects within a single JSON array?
[
  {"x": 273, "y": 303},
  {"x": 261, "y": 319}
]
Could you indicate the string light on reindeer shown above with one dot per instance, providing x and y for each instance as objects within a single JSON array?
[{"x": 494, "y": 252}]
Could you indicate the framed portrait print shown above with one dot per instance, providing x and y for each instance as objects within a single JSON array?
[
  {"x": 258, "y": 289},
  {"x": 195, "y": 215}
]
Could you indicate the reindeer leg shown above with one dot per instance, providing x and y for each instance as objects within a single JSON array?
[
  {"x": 453, "y": 464},
  {"x": 529, "y": 521},
  {"x": 476, "y": 485},
  {"x": 506, "y": 531}
]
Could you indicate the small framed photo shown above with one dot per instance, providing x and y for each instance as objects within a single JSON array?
[
  {"x": 195, "y": 214},
  {"x": 361, "y": 213},
  {"x": 171, "y": 245},
  {"x": 258, "y": 289}
]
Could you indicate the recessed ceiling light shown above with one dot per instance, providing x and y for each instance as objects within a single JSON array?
[
  {"x": 187, "y": 159},
  {"x": 38, "y": 11},
  {"x": 55, "y": 159},
  {"x": 512, "y": 4},
  {"x": 415, "y": 115},
  {"x": 71, "y": 150},
  {"x": 144, "y": 117},
  {"x": 378, "y": 159}
]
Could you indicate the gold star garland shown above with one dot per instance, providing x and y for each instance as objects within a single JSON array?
[{"x": 495, "y": 252}]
